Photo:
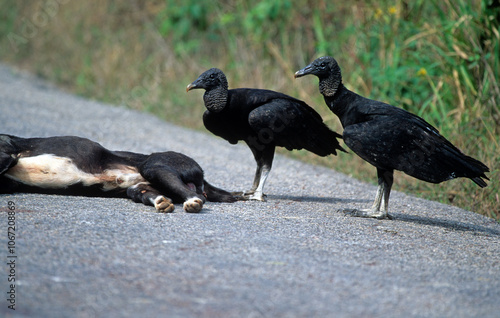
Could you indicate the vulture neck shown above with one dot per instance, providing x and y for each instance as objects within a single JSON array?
[
  {"x": 216, "y": 99},
  {"x": 333, "y": 91},
  {"x": 328, "y": 86}
]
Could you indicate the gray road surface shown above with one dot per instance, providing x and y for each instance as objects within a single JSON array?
[{"x": 295, "y": 255}]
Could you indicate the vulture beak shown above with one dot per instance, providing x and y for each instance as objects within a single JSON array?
[
  {"x": 305, "y": 71},
  {"x": 190, "y": 87}
]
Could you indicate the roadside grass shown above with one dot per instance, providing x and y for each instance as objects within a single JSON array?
[{"x": 438, "y": 59}]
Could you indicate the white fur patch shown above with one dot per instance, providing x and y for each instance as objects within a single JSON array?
[
  {"x": 53, "y": 172},
  {"x": 120, "y": 178},
  {"x": 48, "y": 171},
  {"x": 156, "y": 201}
]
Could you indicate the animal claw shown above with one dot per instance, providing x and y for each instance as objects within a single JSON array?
[{"x": 380, "y": 215}]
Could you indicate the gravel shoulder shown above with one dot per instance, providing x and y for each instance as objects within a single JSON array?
[{"x": 296, "y": 255}]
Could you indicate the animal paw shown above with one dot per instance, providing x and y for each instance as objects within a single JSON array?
[
  {"x": 193, "y": 205},
  {"x": 164, "y": 205}
]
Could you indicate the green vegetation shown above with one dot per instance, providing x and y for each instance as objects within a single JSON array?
[{"x": 438, "y": 59}]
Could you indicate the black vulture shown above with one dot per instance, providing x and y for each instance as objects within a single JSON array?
[
  {"x": 390, "y": 138},
  {"x": 263, "y": 119}
]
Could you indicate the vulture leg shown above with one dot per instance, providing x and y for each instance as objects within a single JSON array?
[
  {"x": 256, "y": 180},
  {"x": 264, "y": 161},
  {"x": 381, "y": 203},
  {"x": 258, "y": 192}
]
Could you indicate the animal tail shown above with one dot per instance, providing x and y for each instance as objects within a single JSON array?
[
  {"x": 474, "y": 170},
  {"x": 479, "y": 169},
  {"x": 324, "y": 141},
  {"x": 480, "y": 182},
  {"x": 215, "y": 194}
]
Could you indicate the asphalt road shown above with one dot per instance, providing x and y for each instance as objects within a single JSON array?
[{"x": 296, "y": 255}]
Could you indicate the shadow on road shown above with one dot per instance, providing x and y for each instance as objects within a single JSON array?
[
  {"x": 330, "y": 200},
  {"x": 446, "y": 223}
]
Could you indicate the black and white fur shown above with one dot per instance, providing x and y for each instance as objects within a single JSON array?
[{"x": 78, "y": 166}]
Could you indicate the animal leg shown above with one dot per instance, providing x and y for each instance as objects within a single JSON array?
[
  {"x": 7, "y": 161},
  {"x": 177, "y": 176},
  {"x": 388, "y": 181},
  {"x": 264, "y": 161},
  {"x": 248, "y": 193},
  {"x": 143, "y": 192},
  {"x": 256, "y": 180},
  {"x": 170, "y": 183},
  {"x": 258, "y": 194},
  {"x": 379, "y": 209}
]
